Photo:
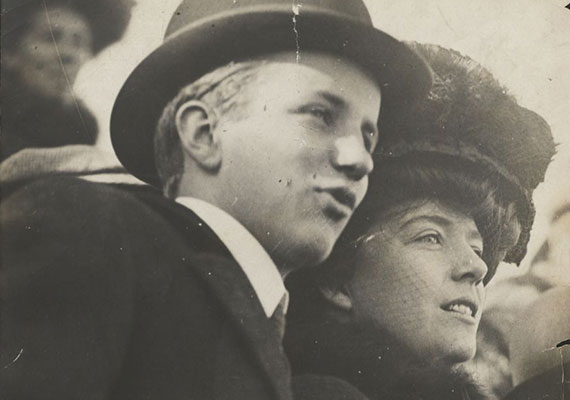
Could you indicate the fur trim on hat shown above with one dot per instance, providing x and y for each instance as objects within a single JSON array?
[{"x": 468, "y": 114}]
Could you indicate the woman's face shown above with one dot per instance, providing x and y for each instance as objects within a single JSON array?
[
  {"x": 418, "y": 277},
  {"x": 57, "y": 43}
]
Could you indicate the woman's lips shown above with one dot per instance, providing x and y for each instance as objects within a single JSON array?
[{"x": 464, "y": 307}]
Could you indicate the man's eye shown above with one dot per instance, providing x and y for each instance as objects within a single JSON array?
[
  {"x": 370, "y": 140},
  {"x": 322, "y": 113}
]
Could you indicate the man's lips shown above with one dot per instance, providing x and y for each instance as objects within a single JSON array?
[
  {"x": 342, "y": 195},
  {"x": 339, "y": 201}
]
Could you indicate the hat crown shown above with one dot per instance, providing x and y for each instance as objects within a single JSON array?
[
  {"x": 206, "y": 34},
  {"x": 190, "y": 12}
]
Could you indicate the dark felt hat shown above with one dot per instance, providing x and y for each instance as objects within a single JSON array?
[
  {"x": 107, "y": 19},
  {"x": 204, "y": 35},
  {"x": 469, "y": 115}
]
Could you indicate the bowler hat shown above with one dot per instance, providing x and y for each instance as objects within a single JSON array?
[{"x": 204, "y": 35}]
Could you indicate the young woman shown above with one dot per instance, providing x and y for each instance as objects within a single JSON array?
[{"x": 395, "y": 309}]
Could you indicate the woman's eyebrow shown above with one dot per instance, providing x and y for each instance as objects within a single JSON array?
[
  {"x": 442, "y": 221},
  {"x": 474, "y": 234},
  {"x": 436, "y": 219}
]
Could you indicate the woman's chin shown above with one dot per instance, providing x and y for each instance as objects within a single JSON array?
[
  {"x": 459, "y": 354},
  {"x": 448, "y": 356}
]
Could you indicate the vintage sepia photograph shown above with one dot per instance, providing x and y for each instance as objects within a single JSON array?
[{"x": 285, "y": 199}]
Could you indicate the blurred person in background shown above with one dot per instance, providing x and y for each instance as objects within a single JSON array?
[
  {"x": 539, "y": 348},
  {"x": 44, "y": 45},
  {"x": 526, "y": 318},
  {"x": 396, "y": 307}
]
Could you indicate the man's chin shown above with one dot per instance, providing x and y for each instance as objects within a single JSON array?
[{"x": 306, "y": 254}]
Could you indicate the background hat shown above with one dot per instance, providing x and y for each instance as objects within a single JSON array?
[
  {"x": 204, "y": 35},
  {"x": 108, "y": 19},
  {"x": 468, "y": 114}
]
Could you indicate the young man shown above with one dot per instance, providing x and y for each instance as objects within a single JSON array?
[{"x": 257, "y": 122}]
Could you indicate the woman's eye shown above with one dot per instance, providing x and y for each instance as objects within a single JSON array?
[
  {"x": 431, "y": 238},
  {"x": 478, "y": 251}
]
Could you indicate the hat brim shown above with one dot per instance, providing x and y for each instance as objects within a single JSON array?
[
  {"x": 439, "y": 147},
  {"x": 402, "y": 75}
]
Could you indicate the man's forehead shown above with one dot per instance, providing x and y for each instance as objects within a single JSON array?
[
  {"x": 327, "y": 75},
  {"x": 326, "y": 62}
]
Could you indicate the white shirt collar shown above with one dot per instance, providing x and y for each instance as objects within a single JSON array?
[{"x": 257, "y": 265}]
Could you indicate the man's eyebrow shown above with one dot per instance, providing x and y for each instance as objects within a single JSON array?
[
  {"x": 338, "y": 102},
  {"x": 333, "y": 99}
]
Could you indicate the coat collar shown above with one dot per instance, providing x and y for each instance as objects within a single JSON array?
[
  {"x": 213, "y": 262},
  {"x": 246, "y": 250}
]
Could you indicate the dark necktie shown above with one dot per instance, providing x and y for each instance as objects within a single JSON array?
[{"x": 278, "y": 317}]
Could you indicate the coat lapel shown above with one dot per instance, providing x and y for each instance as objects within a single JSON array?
[
  {"x": 215, "y": 264},
  {"x": 225, "y": 277}
]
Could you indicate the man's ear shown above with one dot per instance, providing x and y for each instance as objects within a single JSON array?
[
  {"x": 195, "y": 125},
  {"x": 338, "y": 298}
]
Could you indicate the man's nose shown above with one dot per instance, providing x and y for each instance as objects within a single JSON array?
[
  {"x": 351, "y": 157},
  {"x": 469, "y": 266}
]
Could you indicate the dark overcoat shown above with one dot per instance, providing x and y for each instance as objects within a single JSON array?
[{"x": 108, "y": 293}]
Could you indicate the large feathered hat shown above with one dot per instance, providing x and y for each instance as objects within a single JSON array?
[{"x": 469, "y": 115}]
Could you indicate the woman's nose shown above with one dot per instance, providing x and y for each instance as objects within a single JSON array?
[{"x": 469, "y": 266}]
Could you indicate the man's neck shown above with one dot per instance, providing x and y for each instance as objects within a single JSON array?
[
  {"x": 209, "y": 196},
  {"x": 247, "y": 251}
]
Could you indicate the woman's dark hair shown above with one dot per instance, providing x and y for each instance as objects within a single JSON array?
[{"x": 405, "y": 182}]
